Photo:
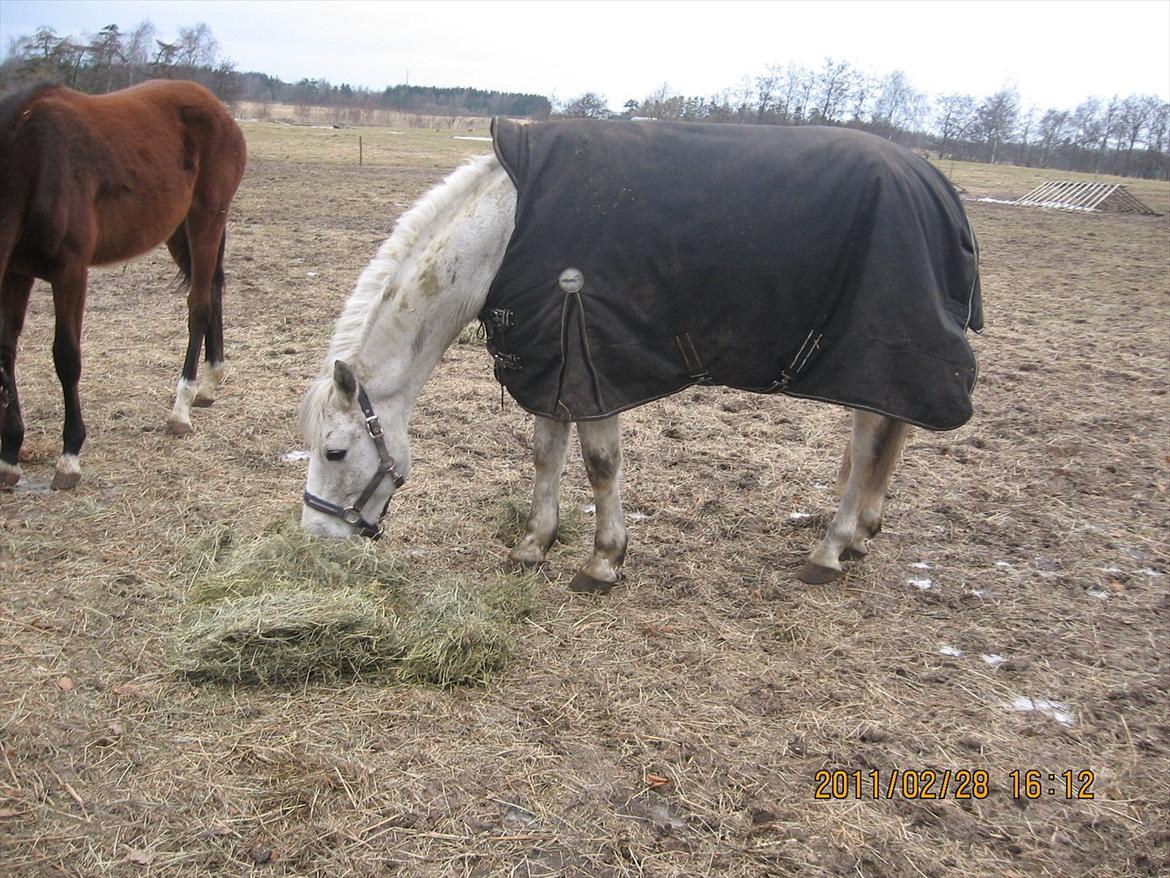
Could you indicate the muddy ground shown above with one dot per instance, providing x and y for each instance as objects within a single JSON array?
[{"x": 677, "y": 726}]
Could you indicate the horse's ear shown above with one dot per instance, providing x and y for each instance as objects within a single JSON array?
[{"x": 344, "y": 381}]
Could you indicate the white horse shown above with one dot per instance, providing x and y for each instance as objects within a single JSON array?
[{"x": 427, "y": 282}]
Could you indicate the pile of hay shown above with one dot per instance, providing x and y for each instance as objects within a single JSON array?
[{"x": 286, "y": 607}]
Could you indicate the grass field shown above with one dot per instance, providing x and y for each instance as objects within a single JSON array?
[{"x": 1013, "y": 616}]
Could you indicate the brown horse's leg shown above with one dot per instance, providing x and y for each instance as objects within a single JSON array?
[
  {"x": 69, "y": 307},
  {"x": 214, "y": 374},
  {"x": 204, "y": 232},
  {"x": 601, "y": 449},
  {"x": 13, "y": 305},
  {"x": 550, "y": 442}
]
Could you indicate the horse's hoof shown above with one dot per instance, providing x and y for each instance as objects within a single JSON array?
[
  {"x": 852, "y": 553},
  {"x": 64, "y": 481},
  {"x": 9, "y": 475},
  {"x": 583, "y": 583},
  {"x": 179, "y": 428},
  {"x": 519, "y": 566},
  {"x": 203, "y": 402},
  {"x": 815, "y": 574}
]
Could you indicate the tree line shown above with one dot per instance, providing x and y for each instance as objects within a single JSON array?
[
  {"x": 112, "y": 59},
  {"x": 1126, "y": 136}
]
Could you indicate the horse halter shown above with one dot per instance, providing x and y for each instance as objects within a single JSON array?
[{"x": 352, "y": 515}]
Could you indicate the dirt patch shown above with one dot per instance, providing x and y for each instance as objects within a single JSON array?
[{"x": 1013, "y": 616}]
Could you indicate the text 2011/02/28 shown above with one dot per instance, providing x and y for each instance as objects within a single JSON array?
[{"x": 962, "y": 783}]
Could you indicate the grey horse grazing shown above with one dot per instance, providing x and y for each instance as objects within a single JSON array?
[{"x": 614, "y": 264}]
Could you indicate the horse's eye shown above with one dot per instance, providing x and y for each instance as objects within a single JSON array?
[{"x": 335, "y": 454}]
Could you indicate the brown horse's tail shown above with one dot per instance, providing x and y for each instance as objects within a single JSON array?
[{"x": 180, "y": 248}]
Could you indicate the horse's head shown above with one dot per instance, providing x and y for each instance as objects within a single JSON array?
[{"x": 357, "y": 460}]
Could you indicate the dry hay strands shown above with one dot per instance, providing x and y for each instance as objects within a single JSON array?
[
  {"x": 283, "y": 556},
  {"x": 285, "y": 636},
  {"x": 460, "y": 635},
  {"x": 286, "y": 607},
  {"x": 512, "y": 518}
]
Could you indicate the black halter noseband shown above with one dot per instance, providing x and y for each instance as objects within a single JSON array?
[{"x": 352, "y": 515}]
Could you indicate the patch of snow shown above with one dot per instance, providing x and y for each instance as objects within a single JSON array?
[
  {"x": 920, "y": 565},
  {"x": 1051, "y": 709},
  {"x": 923, "y": 584},
  {"x": 994, "y": 659},
  {"x": 946, "y": 649}
]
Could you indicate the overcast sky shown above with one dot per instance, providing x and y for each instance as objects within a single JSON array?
[{"x": 1056, "y": 53}]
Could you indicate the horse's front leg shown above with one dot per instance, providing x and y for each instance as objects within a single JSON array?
[
  {"x": 13, "y": 305},
  {"x": 601, "y": 449},
  {"x": 869, "y": 462},
  {"x": 69, "y": 308},
  {"x": 549, "y": 444}
]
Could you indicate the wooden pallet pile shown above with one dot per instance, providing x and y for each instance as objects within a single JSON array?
[{"x": 1086, "y": 196}]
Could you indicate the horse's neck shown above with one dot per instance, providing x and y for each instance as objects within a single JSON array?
[{"x": 440, "y": 287}]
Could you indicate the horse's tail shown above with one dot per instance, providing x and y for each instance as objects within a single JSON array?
[
  {"x": 180, "y": 248},
  {"x": 9, "y": 232},
  {"x": 217, "y": 279}
]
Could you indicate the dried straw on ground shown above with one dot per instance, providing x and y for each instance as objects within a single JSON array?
[{"x": 286, "y": 608}]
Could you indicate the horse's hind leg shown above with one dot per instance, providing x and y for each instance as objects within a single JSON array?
[
  {"x": 69, "y": 308},
  {"x": 205, "y": 229},
  {"x": 602, "y": 451},
  {"x": 214, "y": 373},
  {"x": 13, "y": 305},
  {"x": 549, "y": 443},
  {"x": 873, "y": 452}
]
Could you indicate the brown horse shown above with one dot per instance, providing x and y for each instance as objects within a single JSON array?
[{"x": 94, "y": 180}]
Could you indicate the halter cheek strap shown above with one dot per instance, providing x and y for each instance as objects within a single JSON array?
[{"x": 352, "y": 514}]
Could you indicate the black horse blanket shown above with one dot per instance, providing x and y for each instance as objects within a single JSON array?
[{"x": 822, "y": 263}]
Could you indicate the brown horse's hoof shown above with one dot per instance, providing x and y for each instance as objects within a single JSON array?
[
  {"x": 815, "y": 574},
  {"x": 9, "y": 476},
  {"x": 179, "y": 428},
  {"x": 583, "y": 583},
  {"x": 64, "y": 481},
  {"x": 852, "y": 554},
  {"x": 202, "y": 402}
]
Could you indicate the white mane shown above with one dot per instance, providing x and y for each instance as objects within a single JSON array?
[{"x": 376, "y": 284}]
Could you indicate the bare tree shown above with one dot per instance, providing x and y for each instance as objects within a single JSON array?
[
  {"x": 955, "y": 119},
  {"x": 767, "y": 84},
  {"x": 1053, "y": 131},
  {"x": 899, "y": 105},
  {"x": 861, "y": 96},
  {"x": 196, "y": 46},
  {"x": 1132, "y": 122},
  {"x": 106, "y": 54},
  {"x": 997, "y": 120},
  {"x": 832, "y": 89},
  {"x": 589, "y": 105},
  {"x": 138, "y": 47}
]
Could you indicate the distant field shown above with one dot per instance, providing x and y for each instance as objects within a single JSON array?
[
  {"x": 1012, "y": 616},
  {"x": 352, "y": 116}
]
